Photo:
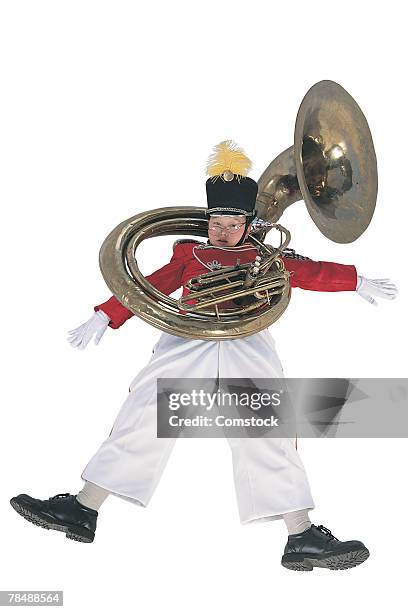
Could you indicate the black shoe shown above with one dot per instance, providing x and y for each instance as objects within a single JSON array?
[
  {"x": 318, "y": 547},
  {"x": 62, "y": 512}
]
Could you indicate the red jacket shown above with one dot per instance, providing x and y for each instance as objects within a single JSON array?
[{"x": 188, "y": 261}]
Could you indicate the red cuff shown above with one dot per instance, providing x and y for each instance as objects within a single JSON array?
[{"x": 116, "y": 312}]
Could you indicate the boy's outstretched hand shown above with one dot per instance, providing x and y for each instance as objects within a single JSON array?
[
  {"x": 97, "y": 324},
  {"x": 379, "y": 287}
]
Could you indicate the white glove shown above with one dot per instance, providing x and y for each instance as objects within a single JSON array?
[
  {"x": 380, "y": 287},
  {"x": 97, "y": 325}
]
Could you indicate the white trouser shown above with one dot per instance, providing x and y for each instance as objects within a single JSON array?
[{"x": 269, "y": 476}]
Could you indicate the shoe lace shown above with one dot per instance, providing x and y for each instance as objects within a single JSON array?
[
  {"x": 324, "y": 529},
  {"x": 60, "y": 495}
]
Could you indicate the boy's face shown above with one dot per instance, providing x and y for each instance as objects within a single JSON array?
[{"x": 226, "y": 230}]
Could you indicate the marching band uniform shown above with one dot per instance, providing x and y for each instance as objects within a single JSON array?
[
  {"x": 131, "y": 460},
  {"x": 269, "y": 476}
]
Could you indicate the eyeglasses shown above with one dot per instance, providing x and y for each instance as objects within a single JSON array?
[{"x": 230, "y": 229}]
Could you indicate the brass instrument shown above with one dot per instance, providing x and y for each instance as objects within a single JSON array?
[{"x": 331, "y": 166}]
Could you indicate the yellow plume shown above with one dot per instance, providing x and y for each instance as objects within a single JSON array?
[{"x": 228, "y": 156}]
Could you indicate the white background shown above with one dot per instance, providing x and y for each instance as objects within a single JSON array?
[{"x": 112, "y": 108}]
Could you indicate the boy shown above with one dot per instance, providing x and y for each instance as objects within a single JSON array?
[{"x": 269, "y": 476}]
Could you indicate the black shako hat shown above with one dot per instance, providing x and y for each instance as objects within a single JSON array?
[
  {"x": 229, "y": 190},
  {"x": 234, "y": 196}
]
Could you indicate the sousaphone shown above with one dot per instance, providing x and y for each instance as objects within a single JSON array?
[{"x": 331, "y": 166}]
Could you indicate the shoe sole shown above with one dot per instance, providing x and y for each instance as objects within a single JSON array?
[
  {"x": 73, "y": 532},
  {"x": 341, "y": 561}
]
